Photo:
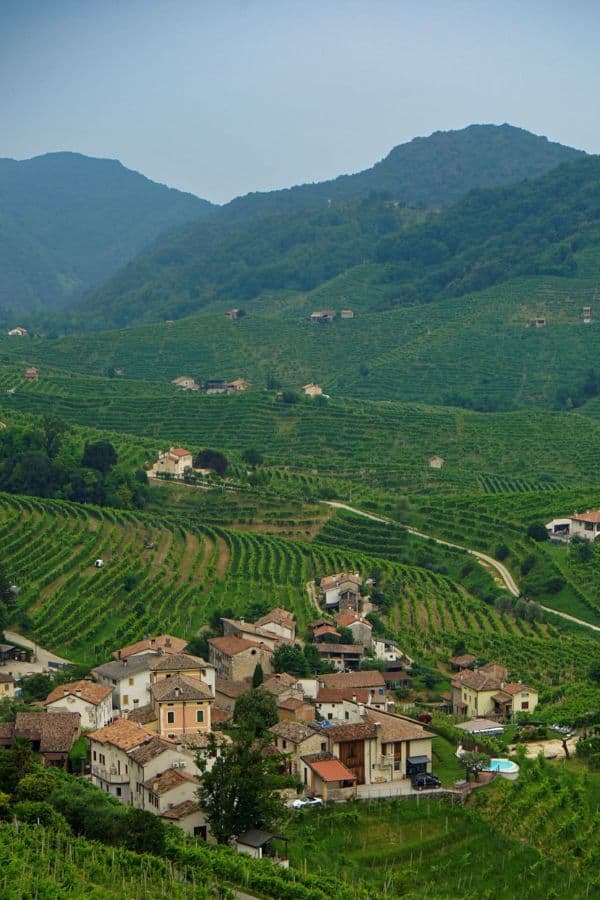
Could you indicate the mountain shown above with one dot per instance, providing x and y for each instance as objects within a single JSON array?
[
  {"x": 295, "y": 240},
  {"x": 69, "y": 221}
]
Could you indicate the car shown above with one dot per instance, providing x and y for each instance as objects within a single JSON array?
[
  {"x": 425, "y": 780},
  {"x": 301, "y": 802}
]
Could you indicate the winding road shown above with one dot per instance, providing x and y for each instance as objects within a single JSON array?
[{"x": 486, "y": 561}]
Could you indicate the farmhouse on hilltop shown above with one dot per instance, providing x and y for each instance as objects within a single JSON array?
[
  {"x": 342, "y": 590},
  {"x": 174, "y": 462},
  {"x": 18, "y": 332},
  {"x": 321, "y": 316},
  {"x": 312, "y": 390},
  {"x": 436, "y": 462},
  {"x": 185, "y": 382},
  {"x": 584, "y": 525}
]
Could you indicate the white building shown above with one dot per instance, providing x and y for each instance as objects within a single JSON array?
[
  {"x": 92, "y": 701},
  {"x": 174, "y": 462},
  {"x": 129, "y": 680}
]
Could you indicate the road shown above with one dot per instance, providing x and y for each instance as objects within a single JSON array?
[
  {"x": 486, "y": 561},
  {"x": 41, "y": 660}
]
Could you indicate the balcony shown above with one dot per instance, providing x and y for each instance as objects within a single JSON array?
[{"x": 109, "y": 774}]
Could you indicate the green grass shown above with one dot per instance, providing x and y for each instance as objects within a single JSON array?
[{"x": 445, "y": 763}]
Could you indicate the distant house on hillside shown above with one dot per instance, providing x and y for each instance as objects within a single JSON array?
[
  {"x": 347, "y": 314},
  {"x": 539, "y": 322},
  {"x": 239, "y": 385},
  {"x": 185, "y": 382},
  {"x": 312, "y": 390},
  {"x": 233, "y": 314},
  {"x": 175, "y": 462},
  {"x": 18, "y": 332},
  {"x": 322, "y": 315},
  {"x": 31, "y": 374},
  {"x": 342, "y": 590},
  {"x": 587, "y": 315},
  {"x": 436, "y": 462}
]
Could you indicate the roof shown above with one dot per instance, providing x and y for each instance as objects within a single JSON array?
[
  {"x": 88, "y": 691},
  {"x": 57, "y": 730},
  {"x": 320, "y": 630},
  {"x": 481, "y": 726},
  {"x": 230, "y": 645},
  {"x": 487, "y": 678},
  {"x": 466, "y": 659},
  {"x": 278, "y": 684},
  {"x": 171, "y": 661},
  {"x": 280, "y": 615},
  {"x": 296, "y": 732},
  {"x": 167, "y": 780},
  {"x": 256, "y": 630},
  {"x": 180, "y": 688},
  {"x": 331, "y": 581},
  {"x": 6, "y": 679},
  {"x": 165, "y": 642},
  {"x": 352, "y": 731},
  {"x": 122, "y": 668},
  {"x": 181, "y": 810},
  {"x": 218, "y": 716},
  {"x": 122, "y": 733},
  {"x": 396, "y": 728},
  {"x": 149, "y": 750},
  {"x": 592, "y": 515},
  {"x": 340, "y": 649},
  {"x": 344, "y": 619},
  {"x": 143, "y": 715},
  {"x": 291, "y": 703},
  {"x": 338, "y": 695},
  {"x": 328, "y": 767},
  {"x": 517, "y": 688},
  {"x": 364, "y": 678},
  {"x": 255, "y": 838},
  {"x": 179, "y": 451},
  {"x": 229, "y": 688}
]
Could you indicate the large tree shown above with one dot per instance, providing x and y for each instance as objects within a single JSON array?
[
  {"x": 99, "y": 455},
  {"x": 255, "y": 711},
  {"x": 239, "y": 788}
]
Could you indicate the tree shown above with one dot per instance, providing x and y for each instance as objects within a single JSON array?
[
  {"x": 239, "y": 788},
  {"x": 291, "y": 660},
  {"x": 100, "y": 455},
  {"x": 255, "y": 711},
  {"x": 501, "y": 551},
  {"x": 289, "y": 397},
  {"x": 257, "y": 676},
  {"x": 252, "y": 457},
  {"x": 212, "y": 459},
  {"x": 144, "y": 832},
  {"x": 474, "y": 763},
  {"x": 537, "y": 531}
]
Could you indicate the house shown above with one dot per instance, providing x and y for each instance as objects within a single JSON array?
[
  {"x": 182, "y": 706},
  {"x": 129, "y": 680},
  {"x": 587, "y": 315},
  {"x": 174, "y": 462},
  {"x": 258, "y": 844},
  {"x": 436, "y": 462},
  {"x": 233, "y": 314},
  {"x": 151, "y": 757},
  {"x": 312, "y": 390},
  {"x": 463, "y": 661},
  {"x": 8, "y": 652},
  {"x": 296, "y": 739},
  {"x": 348, "y": 680},
  {"x": 187, "y": 816},
  {"x": 250, "y": 632},
  {"x": 227, "y": 692},
  {"x": 93, "y": 702},
  {"x": 185, "y": 382},
  {"x": 52, "y": 735},
  {"x": 481, "y": 726},
  {"x": 324, "y": 775},
  {"x": 361, "y": 629},
  {"x": 388, "y": 651},
  {"x": 18, "y": 332},
  {"x": 216, "y": 386},
  {"x": 322, "y": 315},
  {"x": 283, "y": 686},
  {"x": 341, "y": 656},
  {"x": 7, "y": 686},
  {"x": 538, "y": 322},
  {"x": 330, "y": 702},
  {"x": 164, "y": 643},
  {"x": 347, "y": 314},
  {"x": 295, "y": 709},
  {"x": 172, "y": 664},
  {"x": 238, "y": 385},
  {"x": 31, "y": 374},
  {"x": 171, "y": 787},
  {"x": 342, "y": 590},
  {"x": 236, "y": 658},
  {"x": 396, "y": 678},
  {"x": 322, "y": 631},
  {"x": 585, "y": 525},
  {"x": 485, "y": 692},
  {"x": 279, "y": 621},
  {"x": 110, "y": 763}
]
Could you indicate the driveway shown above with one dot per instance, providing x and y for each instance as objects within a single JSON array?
[{"x": 41, "y": 659}]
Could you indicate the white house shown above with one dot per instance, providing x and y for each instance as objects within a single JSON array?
[
  {"x": 585, "y": 525},
  {"x": 342, "y": 590},
  {"x": 92, "y": 701},
  {"x": 279, "y": 621},
  {"x": 18, "y": 332},
  {"x": 436, "y": 462},
  {"x": 129, "y": 680},
  {"x": 174, "y": 462},
  {"x": 185, "y": 382}
]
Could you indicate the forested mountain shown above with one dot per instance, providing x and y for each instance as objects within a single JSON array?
[
  {"x": 69, "y": 221},
  {"x": 533, "y": 227}
]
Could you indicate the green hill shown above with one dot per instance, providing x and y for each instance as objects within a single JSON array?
[
  {"x": 69, "y": 221},
  {"x": 298, "y": 239}
]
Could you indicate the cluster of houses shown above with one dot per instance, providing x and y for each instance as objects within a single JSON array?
[
  {"x": 214, "y": 386},
  {"x": 585, "y": 525}
]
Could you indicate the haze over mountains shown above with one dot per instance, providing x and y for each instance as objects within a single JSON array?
[{"x": 69, "y": 223}]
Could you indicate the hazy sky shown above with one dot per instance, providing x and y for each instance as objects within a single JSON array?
[{"x": 221, "y": 97}]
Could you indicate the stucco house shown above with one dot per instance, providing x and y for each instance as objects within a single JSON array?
[
  {"x": 342, "y": 590},
  {"x": 187, "y": 816},
  {"x": 436, "y": 462},
  {"x": 7, "y": 686},
  {"x": 296, "y": 739},
  {"x": 174, "y": 462},
  {"x": 185, "y": 382},
  {"x": 109, "y": 760},
  {"x": 320, "y": 316},
  {"x": 163, "y": 643},
  {"x": 171, "y": 664},
  {"x": 227, "y": 692},
  {"x": 129, "y": 680},
  {"x": 312, "y": 390},
  {"x": 251, "y": 632},
  {"x": 182, "y": 706},
  {"x": 585, "y": 525},
  {"x": 279, "y": 621},
  {"x": 331, "y": 705},
  {"x": 19, "y": 331},
  {"x": 92, "y": 701},
  {"x": 235, "y": 658},
  {"x": 486, "y": 692},
  {"x": 361, "y": 629}
]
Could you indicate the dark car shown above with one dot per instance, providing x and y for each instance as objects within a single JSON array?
[{"x": 425, "y": 780}]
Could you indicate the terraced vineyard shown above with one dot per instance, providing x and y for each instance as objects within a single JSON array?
[{"x": 83, "y": 612}]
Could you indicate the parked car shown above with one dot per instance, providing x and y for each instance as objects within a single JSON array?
[
  {"x": 425, "y": 780},
  {"x": 301, "y": 802}
]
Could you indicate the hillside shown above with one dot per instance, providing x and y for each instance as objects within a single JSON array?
[
  {"x": 69, "y": 221},
  {"x": 298, "y": 239}
]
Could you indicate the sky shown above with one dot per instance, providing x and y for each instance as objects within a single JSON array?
[{"x": 223, "y": 97}]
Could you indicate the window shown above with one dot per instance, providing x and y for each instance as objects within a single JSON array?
[
  {"x": 284, "y": 745},
  {"x": 125, "y": 700},
  {"x": 199, "y": 715},
  {"x": 170, "y": 718},
  {"x": 118, "y": 791},
  {"x": 132, "y": 681},
  {"x": 525, "y": 704},
  {"x": 323, "y": 747},
  {"x": 330, "y": 716},
  {"x": 346, "y": 715},
  {"x": 380, "y": 692},
  {"x": 94, "y": 756}
]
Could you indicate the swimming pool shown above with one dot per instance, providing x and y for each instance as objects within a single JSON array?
[{"x": 504, "y": 767}]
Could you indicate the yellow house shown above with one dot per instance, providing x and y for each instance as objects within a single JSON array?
[
  {"x": 7, "y": 686},
  {"x": 486, "y": 692},
  {"x": 182, "y": 706},
  {"x": 171, "y": 664}
]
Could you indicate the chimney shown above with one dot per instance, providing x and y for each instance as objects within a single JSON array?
[
  {"x": 354, "y": 698},
  {"x": 152, "y": 642},
  {"x": 125, "y": 662},
  {"x": 370, "y": 700},
  {"x": 177, "y": 692}
]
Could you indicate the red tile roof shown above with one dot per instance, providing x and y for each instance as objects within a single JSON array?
[
  {"x": 592, "y": 515},
  {"x": 122, "y": 733},
  {"x": 364, "y": 678},
  {"x": 179, "y": 451},
  {"x": 165, "y": 642},
  {"x": 230, "y": 645},
  {"x": 88, "y": 691},
  {"x": 331, "y": 770}
]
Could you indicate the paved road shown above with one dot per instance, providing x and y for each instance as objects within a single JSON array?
[
  {"x": 485, "y": 560},
  {"x": 41, "y": 659}
]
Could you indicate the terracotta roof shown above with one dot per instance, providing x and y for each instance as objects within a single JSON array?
[
  {"x": 291, "y": 703},
  {"x": 171, "y": 661},
  {"x": 122, "y": 733},
  {"x": 165, "y": 642},
  {"x": 88, "y": 691},
  {"x": 338, "y": 695},
  {"x": 318, "y": 622},
  {"x": 465, "y": 660},
  {"x": 396, "y": 728},
  {"x": 229, "y": 688},
  {"x": 331, "y": 581},
  {"x": 256, "y": 631},
  {"x": 187, "y": 808},
  {"x": 6, "y": 679},
  {"x": 143, "y": 715},
  {"x": 320, "y": 630},
  {"x": 150, "y": 749},
  {"x": 351, "y": 731},
  {"x": 57, "y": 731},
  {"x": 277, "y": 685},
  {"x": 340, "y": 649},
  {"x": 330, "y": 769},
  {"x": 487, "y": 678},
  {"x": 279, "y": 615},
  {"x": 517, "y": 688},
  {"x": 296, "y": 732},
  {"x": 180, "y": 688},
  {"x": 364, "y": 678},
  {"x": 179, "y": 451},
  {"x": 344, "y": 619},
  {"x": 502, "y": 697},
  {"x": 230, "y": 645},
  {"x": 167, "y": 780},
  {"x": 592, "y": 515}
]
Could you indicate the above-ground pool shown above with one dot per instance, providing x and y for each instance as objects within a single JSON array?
[{"x": 503, "y": 767}]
